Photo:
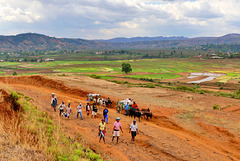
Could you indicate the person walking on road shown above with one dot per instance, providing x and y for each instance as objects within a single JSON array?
[
  {"x": 68, "y": 110},
  {"x": 94, "y": 110},
  {"x": 52, "y": 98},
  {"x": 79, "y": 110},
  {"x": 61, "y": 107},
  {"x": 105, "y": 114},
  {"x": 133, "y": 130},
  {"x": 88, "y": 108},
  {"x": 102, "y": 130},
  {"x": 54, "y": 103},
  {"x": 126, "y": 108},
  {"x": 116, "y": 127}
]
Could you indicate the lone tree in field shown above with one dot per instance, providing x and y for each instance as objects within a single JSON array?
[
  {"x": 126, "y": 68},
  {"x": 14, "y": 73}
]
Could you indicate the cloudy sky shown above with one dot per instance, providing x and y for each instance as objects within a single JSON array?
[{"x": 103, "y": 19}]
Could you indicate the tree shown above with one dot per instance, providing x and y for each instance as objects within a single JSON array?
[
  {"x": 14, "y": 73},
  {"x": 126, "y": 68}
]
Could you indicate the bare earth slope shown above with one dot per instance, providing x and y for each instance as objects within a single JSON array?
[{"x": 161, "y": 138}]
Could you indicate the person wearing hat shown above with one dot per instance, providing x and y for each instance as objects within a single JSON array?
[
  {"x": 116, "y": 127},
  {"x": 79, "y": 110},
  {"x": 133, "y": 130},
  {"x": 52, "y": 99},
  {"x": 54, "y": 103},
  {"x": 61, "y": 108},
  {"x": 102, "y": 130}
]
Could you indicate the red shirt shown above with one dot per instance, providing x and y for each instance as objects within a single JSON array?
[{"x": 134, "y": 106}]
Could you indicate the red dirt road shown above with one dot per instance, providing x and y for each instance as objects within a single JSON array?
[{"x": 162, "y": 138}]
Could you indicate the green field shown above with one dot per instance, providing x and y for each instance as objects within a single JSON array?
[{"x": 143, "y": 68}]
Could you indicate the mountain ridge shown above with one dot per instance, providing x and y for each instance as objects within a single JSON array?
[{"x": 35, "y": 41}]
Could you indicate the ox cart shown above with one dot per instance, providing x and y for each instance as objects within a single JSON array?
[{"x": 91, "y": 98}]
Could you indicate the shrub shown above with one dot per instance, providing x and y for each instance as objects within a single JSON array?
[
  {"x": 115, "y": 81},
  {"x": 49, "y": 122},
  {"x": 201, "y": 92},
  {"x": 14, "y": 73},
  {"x": 238, "y": 92},
  {"x": 40, "y": 119},
  {"x": 185, "y": 88},
  {"x": 94, "y": 156},
  {"x": 147, "y": 79},
  {"x": 196, "y": 86},
  {"x": 221, "y": 87},
  {"x": 95, "y": 76},
  {"x": 126, "y": 82},
  {"x": 79, "y": 153},
  {"x": 216, "y": 107},
  {"x": 14, "y": 95},
  {"x": 150, "y": 86},
  {"x": 75, "y": 158},
  {"x": 61, "y": 158}
]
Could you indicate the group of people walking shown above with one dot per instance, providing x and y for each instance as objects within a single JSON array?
[
  {"x": 117, "y": 126},
  {"x": 66, "y": 111}
]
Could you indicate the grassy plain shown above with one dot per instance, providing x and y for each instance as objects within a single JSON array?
[{"x": 159, "y": 69}]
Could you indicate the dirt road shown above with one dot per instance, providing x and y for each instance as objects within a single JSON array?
[{"x": 161, "y": 138}]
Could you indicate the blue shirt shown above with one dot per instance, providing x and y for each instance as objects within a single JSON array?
[
  {"x": 105, "y": 112},
  {"x": 126, "y": 107}
]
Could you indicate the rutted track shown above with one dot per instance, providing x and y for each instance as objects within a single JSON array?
[{"x": 159, "y": 139}]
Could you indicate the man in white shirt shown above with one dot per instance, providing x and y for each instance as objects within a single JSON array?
[
  {"x": 133, "y": 130},
  {"x": 79, "y": 110}
]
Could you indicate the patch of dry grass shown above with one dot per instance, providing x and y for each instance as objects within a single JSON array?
[{"x": 32, "y": 134}]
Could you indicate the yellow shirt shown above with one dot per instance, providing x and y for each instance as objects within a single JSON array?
[{"x": 102, "y": 125}]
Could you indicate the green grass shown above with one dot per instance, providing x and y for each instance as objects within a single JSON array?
[
  {"x": 9, "y": 63},
  {"x": 78, "y": 70},
  {"x": 155, "y": 76},
  {"x": 142, "y": 68},
  {"x": 28, "y": 74}
]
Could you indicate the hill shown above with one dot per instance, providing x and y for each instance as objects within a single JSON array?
[
  {"x": 138, "y": 39},
  {"x": 33, "y": 41}
]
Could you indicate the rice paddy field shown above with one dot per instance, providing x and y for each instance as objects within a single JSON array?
[{"x": 156, "y": 69}]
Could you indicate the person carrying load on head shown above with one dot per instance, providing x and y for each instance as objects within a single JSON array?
[
  {"x": 61, "y": 107},
  {"x": 102, "y": 130},
  {"x": 68, "y": 110}
]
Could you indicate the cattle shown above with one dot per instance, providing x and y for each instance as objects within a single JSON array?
[
  {"x": 118, "y": 109},
  {"x": 147, "y": 113},
  {"x": 135, "y": 113}
]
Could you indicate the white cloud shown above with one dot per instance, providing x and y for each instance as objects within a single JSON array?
[{"x": 116, "y": 18}]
